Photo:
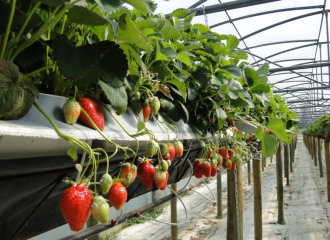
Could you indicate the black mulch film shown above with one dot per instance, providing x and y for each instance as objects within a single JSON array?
[{"x": 25, "y": 183}]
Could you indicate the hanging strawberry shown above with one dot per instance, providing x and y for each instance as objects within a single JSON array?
[
  {"x": 146, "y": 112},
  {"x": 146, "y": 172},
  {"x": 71, "y": 110},
  {"x": 100, "y": 209},
  {"x": 155, "y": 105},
  {"x": 75, "y": 205},
  {"x": 128, "y": 174},
  {"x": 160, "y": 177},
  {"x": 171, "y": 151},
  {"x": 197, "y": 169},
  {"x": 106, "y": 183},
  {"x": 165, "y": 185},
  {"x": 152, "y": 147},
  {"x": 206, "y": 169},
  {"x": 117, "y": 195},
  {"x": 178, "y": 148}
]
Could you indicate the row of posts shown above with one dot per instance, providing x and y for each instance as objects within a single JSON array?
[
  {"x": 235, "y": 192},
  {"x": 314, "y": 145}
]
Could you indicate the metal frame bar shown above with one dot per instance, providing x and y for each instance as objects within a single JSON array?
[
  {"x": 225, "y": 6},
  {"x": 300, "y": 67},
  {"x": 196, "y": 4},
  {"x": 280, "y": 23},
  {"x": 283, "y": 42},
  {"x": 299, "y": 101},
  {"x": 264, "y": 13}
]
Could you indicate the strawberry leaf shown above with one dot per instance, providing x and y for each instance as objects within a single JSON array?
[
  {"x": 116, "y": 96},
  {"x": 72, "y": 152},
  {"x": 269, "y": 144},
  {"x": 81, "y": 15}
]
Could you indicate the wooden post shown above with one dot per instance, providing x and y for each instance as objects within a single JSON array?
[
  {"x": 174, "y": 215},
  {"x": 257, "y": 199},
  {"x": 90, "y": 223},
  {"x": 286, "y": 163},
  {"x": 314, "y": 151},
  {"x": 231, "y": 209},
  {"x": 327, "y": 165},
  {"x": 319, "y": 146},
  {"x": 240, "y": 199},
  {"x": 249, "y": 171},
  {"x": 219, "y": 196},
  {"x": 291, "y": 156},
  {"x": 271, "y": 159},
  {"x": 262, "y": 164},
  {"x": 280, "y": 195}
]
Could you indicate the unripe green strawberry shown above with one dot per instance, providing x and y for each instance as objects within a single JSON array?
[
  {"x": 238, "y": 162},
  {"x": 163, "y": 149},
  {"x": 214, "y": 163},
  {"x": 106, "y": 183},
  {"x": 100, "y": 209},
  {"x": 220, "y": 159},
  {"x": 152, "y": 147},
  {"x": 71, "y": 110},
  {"x": 164, "y": 165},
  {"x": 155, "y": 105},
  {"x": 169, "y": 162}
]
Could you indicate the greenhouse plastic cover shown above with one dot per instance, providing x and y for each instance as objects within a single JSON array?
[{"x": 283, "y": 34}]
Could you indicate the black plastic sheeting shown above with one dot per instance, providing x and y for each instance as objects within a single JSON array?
[{"x": 25, "y": 183}]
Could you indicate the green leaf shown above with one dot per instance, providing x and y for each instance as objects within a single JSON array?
[
  {"x": 278, "y": 127},
  {"x": 140, "y": 126},
  {"x": 269, "y": 144},
  {"x": 218, "y": 109},
  {"x": 263, "y": 97},
  {"x": 139, "y": 5},
  {"x": 189, "y": 18},
  {"x": 128, "y": 33},
  {"x": 18, "y": 19},
  {"x": 273, "y": 103},
  {"x": 250, "y": 76},
  {"x": 116, "y": 96},
  {"x": 170, "y": 32},
  {"x": 192, "y": 92},
  {"x": 232, "y": 42},
  {"x": 219, "y": 48},
  {"x": 263, "y": 72},
  {"x": 218, "y": 80},
  {"x": 81, "y": 15},
  {"x": 180, "y": 86},
  {"x": 88, "y": 78},
  {"x": 238, "y": 54},
  {"x": 183, "y": 57},
  {"x": 233, "y": 70},
  {"x": 17, "y": 92},
  {"x": 31, "y": 54},
  {"x": 108, "y": 6},
  {"x": 72, "y": 152},
  {"x": 142, "y": 23},
  {"x": 207, "y": 63},
  {"x": 179, "y": 13},
  {"x": 175, "y": 110}
]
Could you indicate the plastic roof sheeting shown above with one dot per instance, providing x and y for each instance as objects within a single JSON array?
[{"x": 284, "y": 33}]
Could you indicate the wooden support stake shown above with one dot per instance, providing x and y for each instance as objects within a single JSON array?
[
  {"x": 286, "y": 163},
  {"x": 257, "y": 199},
  {"x": 219, "y": 196},
  {"x": 280, "y": 195},
  {"x": 249, "y": 171},
  {"x": 271, "y": 158},
  {"x": 240, "y": 198},
  {"x": 174, "y": 215},
  {"x": 231, "y": 209},
  {"x": 319, "y": 146},
  {"x": 262, "y": 164},
  {"x": 314, "y": 151},
  {"x": 327, "y": 165},
  {"x": 291, "y": 156}
]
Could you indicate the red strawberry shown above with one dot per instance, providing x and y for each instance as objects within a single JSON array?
[
  {"x": 146, "y": 112},
  {"x": 223, "y": 152},
  {"x": 75, "y": 205},
  {"x": 165, "y": 185},
  {"x": 206, "y": 169},
  {"x": 224, "y": 165},
  {"x": 250, "y": 139},
  {"x": 228, "y": 163},
  {"x": 214, "y": 171},
  {"x": 230, "y": 122},
  {"x": 197, "y": 169},
  {"x": 71, "y": 110},
  {"x": 178, "y": 148},
  {"x": 94, "y": 111},
  {"x": 209, "y": 154},
  {"x": 233, "y": 166},
  {"x": 146, "y": 172},
  {"x": 160, "y": 178},
  {"x": 128, "y": 174},
  {"x": 117, "y": 195},
  {"x": 171, "y": 151},
  {"x": 232, "y": 153}
]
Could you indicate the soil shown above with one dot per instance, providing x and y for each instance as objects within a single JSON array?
[{"x": 306, "y": 208}]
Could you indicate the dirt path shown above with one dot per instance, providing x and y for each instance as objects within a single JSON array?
[{"x": 306, "y": 209}]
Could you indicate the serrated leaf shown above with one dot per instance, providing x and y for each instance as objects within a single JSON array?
[
  {"x": 269, "y": 144},
  {"x": 250, "y": 76},
  {"x": 219, "y": 48},
  {"x": 31, "y": 54},
  {"x": 263, "y": 97},
  {"x": 170, "y": 32},
  {"x": 263, "y": 72},
  {"x": 278, "y": 127},
  {"x": 139, "y": 5},
  {"x": 218, "y": 80},
  {"x": 183, "y": 57},
  {"x": 88, "y": 78},
  {"x": 116, "y": 96},
  {"x": 53, "y": 3},
  {"x": 232, "y": 42},
  {"x": 179, "y": 13},
  {"x": 238, "y": 54},
  {"x": 201, "y": 27},
  {"x": 189, "y": 18},
  {"x": 108, "y": 6},
  {"x": 72, "y": 152},
  {"x": 233, "y": 70},
  {"x": 234, "y": 85},
  {"x": 128, "y": 33},
  {"x": 81, "y": 15},
  {"x": 207, "y": 63},
  {"x": 17, "y": 21},
  {"x": 218, "y": 109},
  {"x": 17, "y": 92},
  {"x": 192, "y": 92},
  {"x": 180, "y": 86},
  {"x": 273, "y": 103},
  {"x": 175, "y": 110},
  {"x": 132, "y": 49},
  {"x": 142, "y": 23}
]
